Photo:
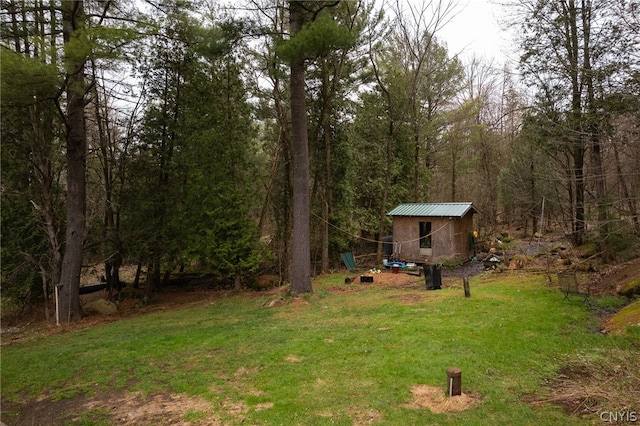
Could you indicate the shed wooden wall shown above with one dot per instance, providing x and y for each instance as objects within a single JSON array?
[{"x": 450, "y": 237}]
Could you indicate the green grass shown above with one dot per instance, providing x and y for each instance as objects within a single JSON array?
[{"x": 329, "y": 357}]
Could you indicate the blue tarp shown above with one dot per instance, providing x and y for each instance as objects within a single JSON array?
[{"x": 397, "y": 263}]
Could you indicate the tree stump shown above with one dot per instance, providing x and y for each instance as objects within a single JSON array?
[{"x": 454, "y": 381}]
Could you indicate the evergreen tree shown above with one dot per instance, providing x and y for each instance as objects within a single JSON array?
[
  {"x": 193, "y": 165},
  {"x": 31, "y": 173}
]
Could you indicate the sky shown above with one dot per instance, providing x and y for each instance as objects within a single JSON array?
[{"x": 476, "y": 29}]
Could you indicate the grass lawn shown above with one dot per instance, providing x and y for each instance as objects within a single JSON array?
[{"x": 348, "y": 354}]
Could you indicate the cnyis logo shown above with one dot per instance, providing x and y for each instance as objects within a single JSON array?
[{"x": 619, "y": 416}]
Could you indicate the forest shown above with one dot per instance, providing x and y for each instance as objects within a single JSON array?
[{"x": 269, "y": 136}]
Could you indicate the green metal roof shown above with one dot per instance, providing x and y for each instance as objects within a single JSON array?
[{"x": 433, "y": 209}]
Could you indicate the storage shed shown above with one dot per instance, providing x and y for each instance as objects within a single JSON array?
[{"x": 430, "y": 232}]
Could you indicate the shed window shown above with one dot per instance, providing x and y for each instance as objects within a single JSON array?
[{"x": 425, "y": 235}]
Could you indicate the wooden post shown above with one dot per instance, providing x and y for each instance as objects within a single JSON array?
[
  {"x": 467, "y": 290},
  {"x": 57, "y": 291},
  {"x": 454, "y": 381}
]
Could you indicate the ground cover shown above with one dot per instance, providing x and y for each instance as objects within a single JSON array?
[{"x": 348, "y": 354}]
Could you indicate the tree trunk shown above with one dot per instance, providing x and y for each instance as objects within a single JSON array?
[
  {"x": 153, "y": 277},
  {"x": 454, "y": 173},
  {"x": 630, "y": 202},
  {"x": 301, "y": 257},
  {"x": 325, "y": 231},
  {"x": 282, "y": 150},
  {"x": 237, "y": 280},
  {"x": 533, "y": 212},
  {"x": 577, "y": 138},
  {"x": 326, "y": 192},
  {"x": 593, "y": 130},
  {"x": 12, "y": 11},
  {"x": 385, "y": 191},
  {"x": 42, "y": 159},
  {"x": 69, "y": 304},
  {"x": 570, "y": 214},
  {"x": 111, "y": 252},
  {"x": 45, "y": 291},
  {"x": 579, "y": 218},
  {"x": 269, "y": 187},
  {"x": 416, "y": 163},
  {"x": 136, "y": 280}
]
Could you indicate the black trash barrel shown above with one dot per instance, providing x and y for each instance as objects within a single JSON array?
[{"x": 432, "y": 277}]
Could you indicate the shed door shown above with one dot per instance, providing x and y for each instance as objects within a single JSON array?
[{"x": 425, "y": 239}]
